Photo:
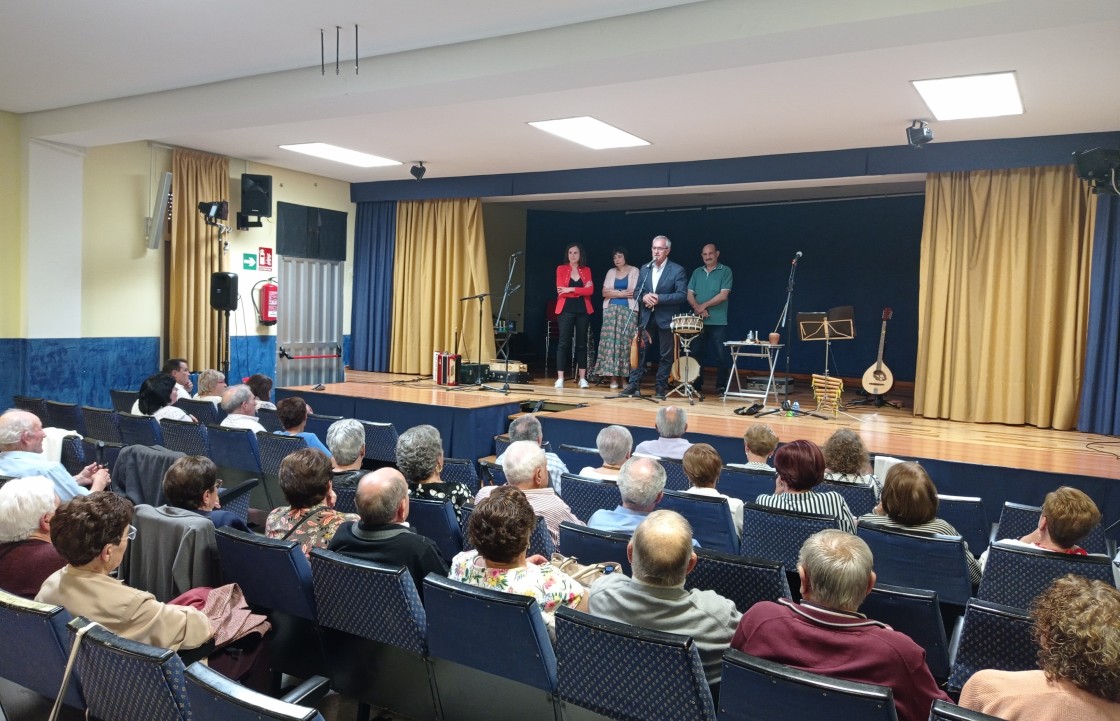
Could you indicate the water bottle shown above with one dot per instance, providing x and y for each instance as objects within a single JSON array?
[{"x": 796, "y": 406}]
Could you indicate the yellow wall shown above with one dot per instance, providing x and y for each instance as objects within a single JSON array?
[{"x": 11, "y": 243}]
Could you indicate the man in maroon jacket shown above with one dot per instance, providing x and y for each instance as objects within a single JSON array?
[{"x": 824, "y": 634}]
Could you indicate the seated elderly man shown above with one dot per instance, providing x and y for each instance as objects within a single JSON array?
[
  {"x": 528, "y": 428},
  {"x": 641, "y": 482},
  {"x": 661, "y": 555},
  {"x": 614, "y": 444},
  {"x": 21, "y": 448},
  {"x": 27, "y": 556},
  {"x": 382, "y": 535},
  {"x": 825, "y": 634},
  {"x": 346, "y": 441},
  {"x": 526, "y": 467},
  {"x": 1068, "y": 515},
  {"x": 241, "y": 409},
  {"x": 671, "y": 423}
]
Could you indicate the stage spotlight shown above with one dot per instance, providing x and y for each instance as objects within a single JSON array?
[
  {"x": 214, "y": 210},
  {"x": 919, "y": 133},
  {"x": 418, "y": 170},
  {"x": 1099, "y": 167}
]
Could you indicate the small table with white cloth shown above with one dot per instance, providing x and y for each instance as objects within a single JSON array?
[{"x": 749, "y": 349}]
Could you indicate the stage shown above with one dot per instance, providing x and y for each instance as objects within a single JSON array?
[{"x": 994, "y": 461}]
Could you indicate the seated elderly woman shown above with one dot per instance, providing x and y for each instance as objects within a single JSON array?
[
  {"x": 192, "y": 484},
  {"x": 846, "y": 460},
  {"x": 614, "y": 444},
  {"x": 1077, "y": 627},
  {"x": 92, "y": 533},
  {"x": 346, "y": 440},
  {"x": 909, "y": 503},
  {"x": 309, "y": 518},
  {"x": 499, "y": 529},
  {"x": 261, "y": 386},
  {"x": 292, "y": 414},
  {"x": 759, "y": 442},
  {"x": 800, "y": 469},
  {"x": 211, "y": 385},
  {"x": 157, "y": 396},
  {"x": 27, "y": 556},
  {"x": 420, "y": 459},
  {"x": 702, "y": 466}
]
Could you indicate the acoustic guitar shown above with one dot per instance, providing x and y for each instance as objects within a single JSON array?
[{"x": 878, "y": 379}]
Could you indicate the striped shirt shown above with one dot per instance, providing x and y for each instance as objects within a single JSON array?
[
  {"x": 546, "y": 504},
  {"x": 868, "y": 479},
  {"x": 821, "y": 503},
  {"x": 935, "y": 526}
]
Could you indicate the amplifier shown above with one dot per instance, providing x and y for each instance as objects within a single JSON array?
[
  {"x": 471, "y": 373},
  {"x": 758, "y": 383},
  {"x": 514, "y": 366},
  {"x": 498, "y": 373}
]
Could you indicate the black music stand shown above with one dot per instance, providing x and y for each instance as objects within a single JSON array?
[{"x": 837, "y": 324}]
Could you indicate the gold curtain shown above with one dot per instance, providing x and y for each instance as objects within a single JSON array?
[
  {"x": 1004, "y": 296},
  {"x": 195, "y": 254},
  {"x": 440, "y": 257}
]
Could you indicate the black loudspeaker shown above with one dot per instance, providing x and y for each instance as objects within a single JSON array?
[
  {"x": 256, "y": 195},
  {"x": 223, "y": 291}
]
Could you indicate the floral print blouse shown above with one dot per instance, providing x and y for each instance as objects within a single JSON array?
[
  {"x": 316, "y": 532},
  {"x": 546, "y": 583},
  {"x": 457, "y": 493}
]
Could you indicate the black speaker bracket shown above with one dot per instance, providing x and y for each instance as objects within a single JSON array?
[{"x": 243, "y": 222}]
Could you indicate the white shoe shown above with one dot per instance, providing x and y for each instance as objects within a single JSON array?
[
  {"x": 559, "y": 383},
  {"x": 614, "y": 385},
  {"x": 583, "y": 383}
]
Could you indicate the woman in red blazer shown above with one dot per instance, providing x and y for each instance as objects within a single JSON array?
[{"x": 573, "y": 309}]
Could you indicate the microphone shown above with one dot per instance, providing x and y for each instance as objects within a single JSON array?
[
  {"x": 651, "y": 264},
  {"x": 796, "y": 257},
  {"x": 514, "y": 255}
]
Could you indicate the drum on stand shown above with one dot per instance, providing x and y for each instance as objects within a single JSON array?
[
  {"x": 687, "y": 324},
  {"x": 686, "y": 369}
]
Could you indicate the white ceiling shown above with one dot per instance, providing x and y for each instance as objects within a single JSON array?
[{"x": 453, "y": 83}]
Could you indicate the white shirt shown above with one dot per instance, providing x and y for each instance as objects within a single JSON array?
[
  {"x": 735, "y": 504},
  {"x": 240, "y": 420},
  {"x": 655, "y": 276}
]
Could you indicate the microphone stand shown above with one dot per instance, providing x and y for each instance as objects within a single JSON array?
[
  {"x": 782, "y": 321},
  {"x": 478, "y": 349},
  {"x": 635, "y": 313},
  {"x": 506, "y": 293}
]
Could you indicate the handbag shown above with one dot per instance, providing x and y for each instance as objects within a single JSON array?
[{"x": 585, "y": 574}]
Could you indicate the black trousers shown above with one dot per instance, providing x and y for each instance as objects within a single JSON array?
[{"x": 579, "y": 322}]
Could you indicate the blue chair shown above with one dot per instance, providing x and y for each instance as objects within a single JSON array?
[
  {"x": 744, "y": 484},
  {"x": 501, "y": 443},
  {"x": 1015, "y": 575},
  {"x": 379, "y": 658},
  {"x": 991, "y": 636},
  {"x": 235, "y": 448},
  {"x": 37, "y": 406},
  {"x": 758, "y": 690},
  {"x": 746, "y": 581},
  {"x": 139, "y": 430},
  {"x": 72, "y": 454},
  {"x": 437, "y": 521},
  {"x": 461, "y": 470},
  {"x": 491, "y": 654},
  {"x": 710, "y": 517},
  {"x": 274, "y": 448},
  {"x": 578, "y": 456},
  {"x": 1017, "y": 520},
  {"x": 625, "y": 672},
  {"x": 916, "y": 613},
  {"x": 213, "y": 697},
  {"x": 186, "y": 437},
  {"x": 36, "y": 647},
  {"x": 124, "y": 680},
  {"x": 675, "y": 479},
  {"x": 235, "y": 499},
  {"x": 913, "y": 559},
  {"x": 101, "y": 452},
  {"x": 267, "y": 417},
  {"x": 587, "y": 495},
  {"x": 345, "y": 499},
  {"x": 589, "y": 545},
  {"x": 946, "y": 711},
  {"x": 122, "y": 401},
  {"x": 101, "y": 424},
  {"x": 859, "y": 497},
  {"x": 494, "y": 472},
  {"x": 204, "y": 411},
  {"x": 381, "y": 442},
  {"x": 319, "y": 424},
  {"x": 776, "y": 535},
  {"x": 66, "y": 415},
  {"x": 967, "y": 515},
  {"x": 275, "y": 576}
]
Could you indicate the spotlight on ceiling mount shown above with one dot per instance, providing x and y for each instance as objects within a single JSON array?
[
  {"x": 1100, "y": 167},
  {"x": 418, "y": 170},
  {"x": 919, "y": 133}
]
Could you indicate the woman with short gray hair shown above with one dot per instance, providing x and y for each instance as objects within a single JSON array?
[
  {"x": 420, "y": 459},
  {"x": 614, "y": 444},
  {"x": 346, "y": 440},
  {"x": 27, "y": 556}
]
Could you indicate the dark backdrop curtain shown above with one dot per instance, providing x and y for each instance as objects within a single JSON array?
[
  {"x": 1100, "y": 391},
  {"x": 375, "y": 241}
]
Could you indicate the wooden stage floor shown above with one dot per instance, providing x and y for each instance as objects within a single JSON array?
[{"x": 885, "y": 430}]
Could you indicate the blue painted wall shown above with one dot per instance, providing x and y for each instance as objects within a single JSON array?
[{"x": 75, "y": 370}]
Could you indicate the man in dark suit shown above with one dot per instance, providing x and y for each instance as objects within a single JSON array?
[{"x": 663, "y": 288}]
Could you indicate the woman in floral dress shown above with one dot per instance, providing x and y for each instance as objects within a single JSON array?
[
  {"x": 420, "y": 459},
  {"x": 309, "y": 518},
  {"x": 619, "y": 320}
]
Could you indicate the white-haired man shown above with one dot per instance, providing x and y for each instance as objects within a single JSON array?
[
  {"x": 825, "y": 634},
  {"x": 661, "y": 555},
  {"x": 671, "y": 423},
  {"x": 641, "y": 482},
  {"x": 21, "y": 448},
  {"x": 526, "y": 467},
  {"x": 528, "y": 428},
  {"x": 27, "y": 556},
  {"x": 240, "y": 406}
]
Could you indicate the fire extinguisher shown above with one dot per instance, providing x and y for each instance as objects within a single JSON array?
[{"x": 268, "y": 300}]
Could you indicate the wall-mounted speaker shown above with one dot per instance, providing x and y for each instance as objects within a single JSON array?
[
  {"x": 223, "y": 291},
  {"x": 256, "y": 195}
]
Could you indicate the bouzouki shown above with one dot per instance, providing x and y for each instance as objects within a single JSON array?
[{"x": 878, "y": 379}]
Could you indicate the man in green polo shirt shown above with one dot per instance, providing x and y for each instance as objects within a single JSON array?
[{"x": 707, "y": 294}]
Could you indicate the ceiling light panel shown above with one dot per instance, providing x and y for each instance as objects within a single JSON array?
[
  {"x": 971, "y": 96},
  {"x": 588, "y": 131},
  {"x": 340, "y": 155}
]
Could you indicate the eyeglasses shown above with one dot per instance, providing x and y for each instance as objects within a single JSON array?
[
  {"x": 660, "y": 247},
  {"x": 131, "y": 532}
]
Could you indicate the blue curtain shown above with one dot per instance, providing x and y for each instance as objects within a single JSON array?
[
  {"x": 1100, "y": 387},
  {"x": 375, "y": 242}
]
